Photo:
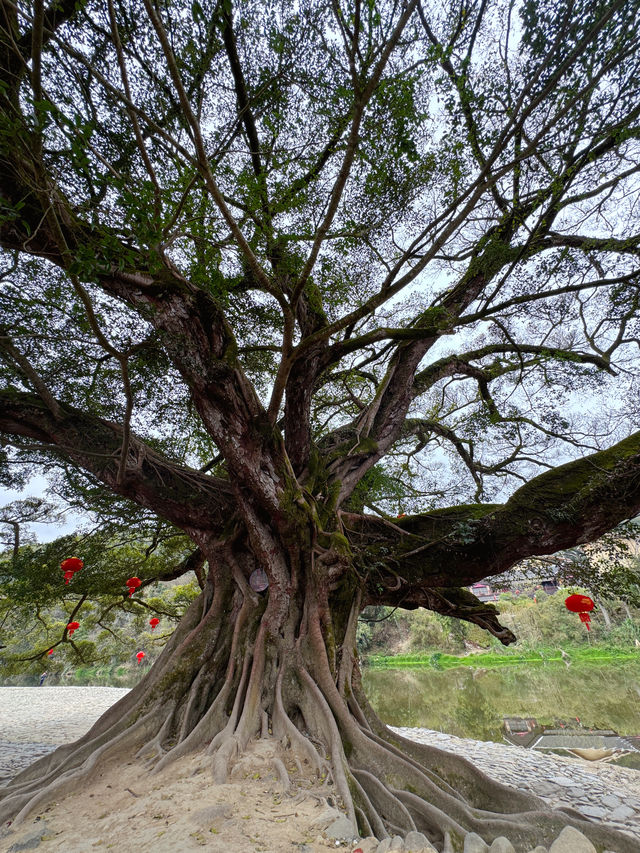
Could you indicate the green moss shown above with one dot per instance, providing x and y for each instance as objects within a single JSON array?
[
  {"x": 317, "y": 471},
  {"x": 462, "y": 511},
  {"x": 365, "y": 445},
  {"x": 567, "y": 488},
  {"x": 353, "y": 445},
  {"x": 330, "y": 645},
  {"x": 437, "y": 317},
  {"x": 314, "y": 296},
  {"x": 326, "y": 510},
  {"x": 340, "y": 543},
  {"x": 495, "y": 254}
]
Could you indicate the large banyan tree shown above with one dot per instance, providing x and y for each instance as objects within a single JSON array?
[{"x": 348, "y": 293}]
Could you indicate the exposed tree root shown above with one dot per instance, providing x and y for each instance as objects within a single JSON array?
[
  {"x": 385, "y": 801},
  {"x": 152, "y": 750},
  {"x": 214, "y": 691},
  {"x": 289, "y": 735},
  {"x": 26, "y": 803}
]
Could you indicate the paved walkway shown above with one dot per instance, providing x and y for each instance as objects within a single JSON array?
[
  {"x": 34, "y": 720},
  {"x": 607, "y": 794}
]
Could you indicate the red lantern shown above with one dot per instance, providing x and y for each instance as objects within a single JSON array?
[
  {"x": 580, "y": 604},
  {"x": 577, "y": 603},
  {"x": 70, "y": 566},
  {"x": 133, "y": 584},
  {"x": 72, "y": 627},
  {"x": 140, "y": 655},
  {"x": 153, "y": 622}
]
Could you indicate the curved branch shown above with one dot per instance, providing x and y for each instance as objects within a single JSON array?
[
  {"x": 29, "y": 372},
  {"x": 628, "y": 245},
  {"x": 183, "y": 496},
  {"x": 446, "y": 548},
  {"x": 457, "y": 602},
  {"x": 453, "y": 364}
]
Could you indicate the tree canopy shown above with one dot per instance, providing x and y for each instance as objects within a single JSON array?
[{"x": 346, "y": 291}]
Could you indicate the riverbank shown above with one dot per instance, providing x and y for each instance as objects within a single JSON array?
[
  {"x": 598, "y": 791},
  {"x": 439, "y": 660},
  {"x": 128, "y": 806}
]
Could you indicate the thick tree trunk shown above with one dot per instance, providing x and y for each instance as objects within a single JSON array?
[{"x": 282, "y": 666}]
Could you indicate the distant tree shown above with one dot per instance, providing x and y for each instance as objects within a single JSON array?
[
  {"x": 16, "y": 517},
  {"x": 280, "y": 272}
]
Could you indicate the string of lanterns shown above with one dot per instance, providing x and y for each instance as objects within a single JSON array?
[{"x": 69, "y": 567}]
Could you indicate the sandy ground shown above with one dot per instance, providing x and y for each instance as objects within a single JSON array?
[
  {"x": 179, "y": 809},
  {"x": 126, "y": 808}
]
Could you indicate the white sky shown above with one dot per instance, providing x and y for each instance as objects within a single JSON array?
[{"x": 36, "y": 488}]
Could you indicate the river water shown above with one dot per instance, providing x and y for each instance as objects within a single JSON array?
[{"x": 471, "y": 702}]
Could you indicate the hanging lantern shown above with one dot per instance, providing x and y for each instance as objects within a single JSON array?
[
  {"x": 140, "y": 655},
  {"x": 580, "y": 604},
  {"x": 133, "y": 584},
  {"x": 72, "y": 627},
  {"x": 70, "y": 566},
  {"x": 153, "y": 622},
  {"x": 258, "y": 580}
]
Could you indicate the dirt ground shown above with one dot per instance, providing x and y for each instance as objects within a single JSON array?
[{"x": 126, "y": 808}]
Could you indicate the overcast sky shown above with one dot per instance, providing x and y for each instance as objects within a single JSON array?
[{"x": 36, "y": 488}]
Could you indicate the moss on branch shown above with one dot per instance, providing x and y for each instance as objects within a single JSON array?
[{"x": 572, "y": 504}]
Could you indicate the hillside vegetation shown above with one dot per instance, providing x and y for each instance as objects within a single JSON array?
[{"x": 544, "y": 627}]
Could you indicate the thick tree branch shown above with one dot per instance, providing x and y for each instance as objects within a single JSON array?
[
  {"x": 628, "y": 245},
  {"x": 191, "y": 323},
  {"x": 29, "y": 372},
  {"x": 456, "y": 602},
  {"x": 185, "y": 497},
  {"x": 454, "y": 364},
  {"x": 569, "y": 505},
  {"x": 381, "y": 423},
  {"x": 193, "y": 562}
]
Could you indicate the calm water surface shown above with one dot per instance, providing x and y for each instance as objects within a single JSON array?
[{"x": 472, "y": 702}]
